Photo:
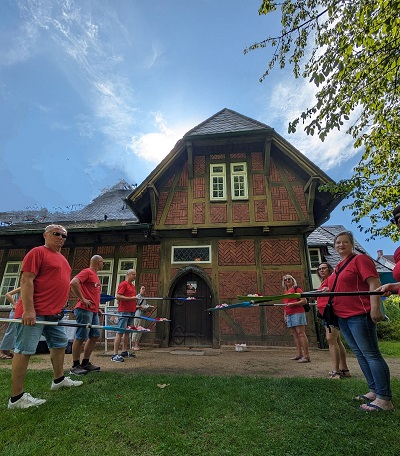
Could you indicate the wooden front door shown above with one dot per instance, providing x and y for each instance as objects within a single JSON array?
[{"x": 190, "y": 324}]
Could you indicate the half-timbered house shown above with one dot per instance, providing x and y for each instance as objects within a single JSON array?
[{"x": 226, "y": 213}]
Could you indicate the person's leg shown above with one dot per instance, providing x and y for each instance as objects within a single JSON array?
[
  {"x": 125, "y": 342},
  {"x": 117, "y": 342},
  {"x": 89, "y": 346},
  {"x": 360, "y": 333},
  {"x": 77, "y": 350},
  {"x": 8, "y": 342},
  {"x": 344, "y": 368},
  {"x": 296, "y": 339},
  {"x": 57, "y": 361},
  {"x": 332, "y": 339},
  {"x": 136, "y": 336},
  {"x": 25, "y": 345},
  {"x": 301, "y": 333},
  {"x": 18, "y": 373}
]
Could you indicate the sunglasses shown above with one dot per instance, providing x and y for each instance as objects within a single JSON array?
[
  {"x": 395, "y": 219},
  {"x": 56, "y": 233}
]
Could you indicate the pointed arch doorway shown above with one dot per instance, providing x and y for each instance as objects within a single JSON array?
[{"x": 190, "y": 324}]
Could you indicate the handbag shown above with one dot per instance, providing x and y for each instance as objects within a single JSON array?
[{"x": 329, "y": 315}]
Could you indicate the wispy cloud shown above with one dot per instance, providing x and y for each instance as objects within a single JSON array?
[{"x": 290, "y": 98}]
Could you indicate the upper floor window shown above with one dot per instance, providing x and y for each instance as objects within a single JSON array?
[
  {"x": 239, "y": 187},
  {"x": 10, "y": 280},
  {"x": 218, "y": 181}
]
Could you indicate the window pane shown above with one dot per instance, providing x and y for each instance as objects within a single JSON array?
[{"x": 191, "y": 254}]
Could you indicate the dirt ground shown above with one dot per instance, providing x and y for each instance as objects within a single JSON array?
[{"x": 257, "y": 361}]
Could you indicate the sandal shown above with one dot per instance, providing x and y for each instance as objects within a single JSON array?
[
  {"x": 4, "y": 356},
  {"x": 345, "y": 373},
  {"x": 296, "y": 358},
  {"x": 335, "y": 375},
  {"x": 304, "y": 359}
]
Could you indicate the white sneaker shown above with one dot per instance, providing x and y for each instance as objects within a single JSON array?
[
  {"x": 25, "y": 401},
  {"x": 66, "y": 383}
]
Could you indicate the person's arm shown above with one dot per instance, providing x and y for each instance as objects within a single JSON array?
[
  {"x": 300, "y": 302},
  {"x": 77, "y": 291},
  {"x": 27, "y": 289},
  {"x": 389, "y": 288},
  {"x": 10, "y": 294},
  {"x": 376, "y": 312}
]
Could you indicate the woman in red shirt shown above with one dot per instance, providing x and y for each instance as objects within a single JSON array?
[
  {"x": 296, "y": 319},
  {"x": 358, "y": 316},
  {"x": 333, "y": 337}
]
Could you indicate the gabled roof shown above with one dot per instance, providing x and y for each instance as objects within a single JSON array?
[
  {"x": 226, "y": 121},
  {"x": 324, "y": 236}
]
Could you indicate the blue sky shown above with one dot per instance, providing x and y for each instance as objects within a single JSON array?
[{"x": 94, "y": 91}]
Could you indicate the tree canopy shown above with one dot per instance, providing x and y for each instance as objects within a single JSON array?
[{"x": 350, "y": 49}]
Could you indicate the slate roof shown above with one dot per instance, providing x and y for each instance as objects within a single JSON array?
[
  {"x": 227, "y": 121},
  {"x": 107, "y": 207},
  {"x": 324, "y": 236}
]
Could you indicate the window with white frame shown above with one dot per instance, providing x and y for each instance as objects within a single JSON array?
[
  {"x": 218, "y": 182},
  {"x": 315, "y": 259},
  {"x": 239, "y": 186},
  {"x": 191, "y": 254},
  {"x": 105, "y": 276},
  {"x": 123, "y": 267},
  {"x": 10, "y": 280}
]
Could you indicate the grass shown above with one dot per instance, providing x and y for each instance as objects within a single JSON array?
[
  {"x": 124, "y": 414},
  {"x": 390, "y": 348}
]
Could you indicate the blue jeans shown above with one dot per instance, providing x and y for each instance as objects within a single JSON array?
[
  {"x": 86, "y": 317},
  {"x": 361, "y": 336}
]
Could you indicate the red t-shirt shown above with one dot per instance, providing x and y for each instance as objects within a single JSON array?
[
  {"x": 51, "y": 283},
  {"x": 293, "y": 309},
  {"x": 91, "y": 289},
  {"x": 127, "y": 289},
  {"x": 396, "y": 270},
  {"x": 353, "y": 278},
  {"x": 323, "y": 300}
]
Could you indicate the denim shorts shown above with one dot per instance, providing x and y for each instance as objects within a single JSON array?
[
  {"x": 28, "y": 337},
  {"x": 298, "y": 319},
  {"x": 86, "y": 317},
  {"x": 123, "y": 321}
]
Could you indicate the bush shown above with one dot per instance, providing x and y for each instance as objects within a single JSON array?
[{"x": 390, "y": 330}]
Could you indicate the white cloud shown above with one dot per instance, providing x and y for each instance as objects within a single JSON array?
[
  {"x": 290, "y": 98},
  {"x": 153, "y": 147}
]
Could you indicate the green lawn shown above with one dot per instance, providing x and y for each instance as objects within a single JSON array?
[{"x": 124, "y": 414}]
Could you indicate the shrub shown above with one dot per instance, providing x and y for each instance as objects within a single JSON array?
[{"x": 390, "y": 330}]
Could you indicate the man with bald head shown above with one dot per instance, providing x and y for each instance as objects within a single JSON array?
[{"x": 87, "y": 287}]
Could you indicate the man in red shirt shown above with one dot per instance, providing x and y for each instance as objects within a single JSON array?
[
  {"x": 87, "y": 287},
  {"x": 127, "y": 298},
  {"x": 44, "y": 293}
]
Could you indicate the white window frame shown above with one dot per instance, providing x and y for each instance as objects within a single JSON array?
[
  {"x": 218, "y": 182},
  {"x": 315, "y": 258},
  {"x": 106, "y": 275},
  {"x": 124, "y": 268},
  {"x": 239, "y": 181},
  {"x": 10, "y": 281},
  {"x": 174, "y": 247}
]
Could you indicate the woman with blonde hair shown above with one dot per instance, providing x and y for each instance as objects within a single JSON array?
[{"x": 296, "y": 318}]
